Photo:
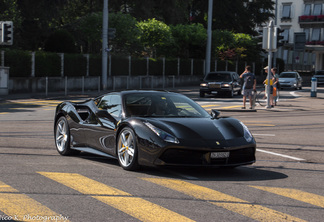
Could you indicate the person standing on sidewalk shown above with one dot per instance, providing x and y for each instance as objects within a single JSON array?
[
  {"x": 249, "y": 85},
  {"x": 276, "y": 85}
]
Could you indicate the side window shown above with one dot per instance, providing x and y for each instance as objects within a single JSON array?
[
  {"x": 114, "y": 107},
  {"x": 112, "y": 103},
  {"x": 104, "y": 102}
]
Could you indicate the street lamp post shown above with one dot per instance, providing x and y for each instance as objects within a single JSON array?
[
  {"x": 104, "y": 44},
  {"x": 209, "y": 36}
]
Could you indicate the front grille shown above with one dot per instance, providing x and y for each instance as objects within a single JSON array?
[{"x": 202, "y": 158}]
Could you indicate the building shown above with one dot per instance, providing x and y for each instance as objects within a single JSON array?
[{"x": 301, "y": 16}]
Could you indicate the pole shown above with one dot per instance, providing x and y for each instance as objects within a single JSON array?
[
  {"x": 209, "y": 36},
  {"x": 276, "y": 16},
  {"x": 104, "y": 44},
  {"x": 270, "y": 46}
]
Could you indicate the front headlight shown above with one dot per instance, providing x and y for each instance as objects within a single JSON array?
[
  {"x": 247, "y": 134},
  {"x": 164, "y": 135},
  {"x": 226, "y": 85},
  {"x": 203, "y": 84}
]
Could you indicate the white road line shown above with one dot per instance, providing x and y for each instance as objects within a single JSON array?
[
  {"x": 294, "y": 93},
  {"x": 282, "y": 155}
]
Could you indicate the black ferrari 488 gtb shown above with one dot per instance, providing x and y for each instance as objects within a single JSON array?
[{"x": 152, "y": 128}]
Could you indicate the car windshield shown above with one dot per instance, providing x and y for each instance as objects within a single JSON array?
[
  {"x": 226, "y": 77},
  {"x": 287, "y": 75},
  {"x": 162, "y": 105},
  {"x": 319, "y": 73}
]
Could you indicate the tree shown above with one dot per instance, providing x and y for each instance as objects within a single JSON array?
[
  {"x": 239, "y": 16},
  {"x": 60, "y": 41},
  {"x": 235, "y": 46},
  {"x": 154, "y": 35},
  {"x": 189, "y": 40},
  {"x": 127, "y": 33}
]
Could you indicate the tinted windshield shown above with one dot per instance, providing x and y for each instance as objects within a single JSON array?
[
  {"x": 162, "y": 105},
  {"x": 222, "y": 77},
  {"x": 287, "y": 75}
]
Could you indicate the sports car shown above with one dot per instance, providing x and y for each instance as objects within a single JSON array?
[{"x": 152, "y": 128}]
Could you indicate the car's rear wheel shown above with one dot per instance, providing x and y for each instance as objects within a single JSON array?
[
  {"x": 127, "y": 149},
  {"x": 62, "y": 137}
]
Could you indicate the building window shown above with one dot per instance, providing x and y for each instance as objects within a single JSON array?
[
  {"x": 317, "y": 9},
  {"x": 316, "y": 34},
  {"x": 307, "y": 10},
  {"x": 285, "y": 34},
  {"x": 286, "y": 11},
  {"x": 307, "y": 31}
]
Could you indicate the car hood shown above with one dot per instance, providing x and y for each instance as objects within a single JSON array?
[
  {"x": 217, "y": 82},
  {"x": 286, "y": 79},
  {"x": 200, "y": 128}
]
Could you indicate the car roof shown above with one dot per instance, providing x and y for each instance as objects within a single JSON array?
[
  {"x": 128, "y": 92},
  {"x": 288, "y": 72},
  {"x": 319, "y": 72}
]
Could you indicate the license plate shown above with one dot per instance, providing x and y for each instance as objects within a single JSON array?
[
  {"x": 217, "y": 155},
  {"x": 214, "y": 86}
]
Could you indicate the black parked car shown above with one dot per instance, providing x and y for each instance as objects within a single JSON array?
[
  {"x": 152, "y": 128},
  {"x": 221, "y": 82}
]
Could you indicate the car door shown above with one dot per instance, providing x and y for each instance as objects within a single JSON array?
[
  {"x": 299, "y": 80},
  {"x": 101, "y": 128},
  {"x": 236, "y": 82}
]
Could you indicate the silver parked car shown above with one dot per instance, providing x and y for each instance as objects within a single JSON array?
[
  {"x": 319, "y": 75},
  {"x": 290, "y": 80}
]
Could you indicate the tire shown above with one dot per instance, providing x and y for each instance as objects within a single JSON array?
[
  {"x": 127, "y": 149},
  {"x": 201, "y": 94},
  {"x": 261, "y": 98},
  {"x": 231, "y": 93},
  {"x": 62, "y": 137}
]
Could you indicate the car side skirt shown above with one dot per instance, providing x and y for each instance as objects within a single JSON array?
[{"x": 93, "y": 151}]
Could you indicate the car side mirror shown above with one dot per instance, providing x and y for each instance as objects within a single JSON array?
[{"x": 215, "y": 113}]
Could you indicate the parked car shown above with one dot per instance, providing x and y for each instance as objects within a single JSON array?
[
  {"x": 319, "y": 75},
  {"x": 220, "y": 82},
  {"x": 152, "y": 128},
  {"x": 290, "y": 80}
]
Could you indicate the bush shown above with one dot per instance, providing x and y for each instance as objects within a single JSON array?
[
  {"x": 19, "y": 63},
  {"x": 60, "y": 41}
]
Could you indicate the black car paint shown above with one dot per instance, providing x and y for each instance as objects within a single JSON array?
[{"x": 99, "y": 130}]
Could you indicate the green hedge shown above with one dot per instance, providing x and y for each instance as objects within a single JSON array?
[
  {"x": 19, "y": 62},
  {"x": 47, "y": 64}
]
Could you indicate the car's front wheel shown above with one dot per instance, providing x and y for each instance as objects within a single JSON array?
[
  {"x": 127, "y": 149},
  {"x": 62, "y": 137}
]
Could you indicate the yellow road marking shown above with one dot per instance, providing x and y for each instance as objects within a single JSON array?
[
  {"x": 229, "y": 107},
  {"x": 306, "y": 197},
  {"x": 23, "y": 208},
  {"x": 209, "y": 105},
  {"x": 136, "y": 207},
  {"x": 228, "y": 202}
]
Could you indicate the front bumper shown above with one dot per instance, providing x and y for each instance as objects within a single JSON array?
[{"x": 180, "y": 157}]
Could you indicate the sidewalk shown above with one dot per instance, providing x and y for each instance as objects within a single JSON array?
[{"x": 300, "y": 100}]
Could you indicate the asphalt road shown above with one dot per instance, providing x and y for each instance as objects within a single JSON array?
[{"x": 285, "y": 184}]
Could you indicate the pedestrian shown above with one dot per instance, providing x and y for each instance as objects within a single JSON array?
[
  {"x": 265, "y": 82},
  {"x": 249, "y": 85},
  {"x": 276, "y": 85}
]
